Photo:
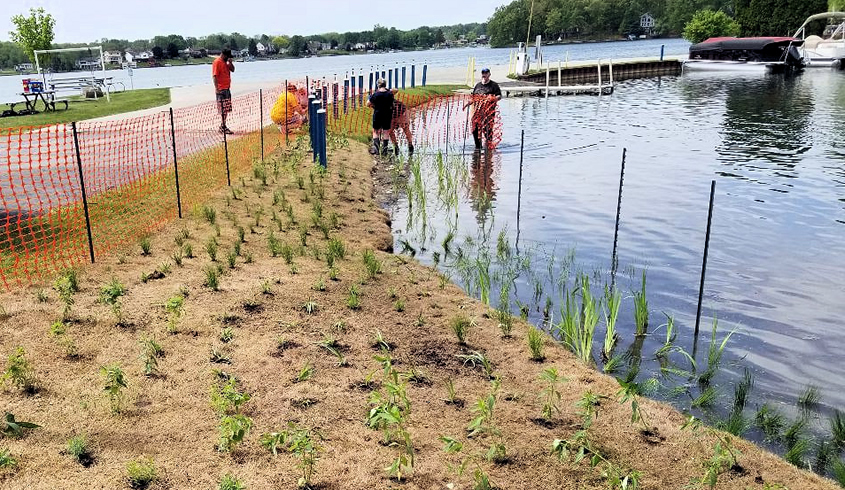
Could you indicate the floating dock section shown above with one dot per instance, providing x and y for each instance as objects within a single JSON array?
[{"x": 595, "y": 78}]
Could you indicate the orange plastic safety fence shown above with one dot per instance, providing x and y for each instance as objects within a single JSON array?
[{"x": 129, "y": 171}]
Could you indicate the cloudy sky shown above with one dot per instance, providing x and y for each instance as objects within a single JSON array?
[{"x": 89, "y": 20}]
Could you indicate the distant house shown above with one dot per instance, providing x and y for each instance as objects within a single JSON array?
[
  {"x": 144, "y": 56},
  {"x": 112, "y": 57},
  {"x": 360, "y": 47},
  {"x": 261, "y": 48},
  {"x": 647, "y": 22},
  {"x": 88, "y": 63},
  {"x": 314, "y": 46}
]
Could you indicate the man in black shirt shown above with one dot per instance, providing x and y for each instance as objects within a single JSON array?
[
  {"x": 382, "y": 103},
  {"x": 485, "y": 95}
]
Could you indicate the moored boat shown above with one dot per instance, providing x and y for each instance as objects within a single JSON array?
[
  {"x": 763, "y": 54},
  {"x": 829, "y": 48}
]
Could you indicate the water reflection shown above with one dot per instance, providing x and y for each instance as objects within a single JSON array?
[
  {"x": 766, "y": 129},
  {"x": 482, "y": 187}
]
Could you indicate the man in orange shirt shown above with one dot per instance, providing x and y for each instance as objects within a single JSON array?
[{"x": 221, "y": 76}]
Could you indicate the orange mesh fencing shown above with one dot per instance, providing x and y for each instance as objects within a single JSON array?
[{"x": 129, "y": 166}]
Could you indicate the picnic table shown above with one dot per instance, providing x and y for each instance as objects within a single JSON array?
[{"x": 47, "y": 97}]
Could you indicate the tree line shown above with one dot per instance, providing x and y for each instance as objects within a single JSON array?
[
  {"x": 602, "y": 19},
  {"x": 170, "y": 46}
]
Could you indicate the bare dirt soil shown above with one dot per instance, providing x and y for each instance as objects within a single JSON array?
[{"x": 169, "y": 418}]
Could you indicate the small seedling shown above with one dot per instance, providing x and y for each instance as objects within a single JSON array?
[
  {"x": 460, "y": 326},
  {"x": 189, "y": 251},
  {"x": 379, "y": 341},
  {"x": 115, "y": 382},
  {"x": 233, "y": 429},
  {"x": 320, "y": 285},
  {"x": 110, "y": 294},
  {"x": 174, "y": 307},
  {"x": 310, "y": 307},
  {"x": 150, "y": 352},
  {"x": 353, "y": 301},
  {"x": 476, "y": 358},
  {"x": 371, "y": 264},
  {"x": 211, "y": 249},
  {"x": 19, "y": 373},
  {"x": 230, "y": 482},
  {"x": 7, "y": 462},
  {"x": 304, "y": 373},
  {"x": 212, "y": 278},
  {"x": 141, "y": 473},
  {"x": 77, "y": 448},
  {"x": 9, "y": 427},
  {"x": 146, "y": 246},
  {"x": 209, "y": 214},
  {"x": 399, "y": 305},
  {"x": 550, "y": 395},
  {"x": 226, "y": 335},
  {"x": 452, "y": 398},
  {"x": 41, "y": 295},
  {"x": 220, "y": 356},
  {"x": 535, "y": 344}
]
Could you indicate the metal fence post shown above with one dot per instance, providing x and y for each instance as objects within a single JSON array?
[
  {"x": 614, "y": 260},
  {"x": 704, "y": 260},
  {"x": 424, "y": 73},
  {"x": 413, "y": 75},
  {"x": 84, "y": 195},
  {"x": 175, "y": 164},
  {"x": 226, "y": 151},
  {"x": 403, "y": 76},
  {"x": 261, "y": 120}
]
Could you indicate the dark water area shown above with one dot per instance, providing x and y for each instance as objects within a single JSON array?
[{"x": 774, "y": 145}]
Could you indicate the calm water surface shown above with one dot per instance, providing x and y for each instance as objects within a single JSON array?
[
  {"x": 776, "y": 148},
  {"x": 278, "y": 70}
]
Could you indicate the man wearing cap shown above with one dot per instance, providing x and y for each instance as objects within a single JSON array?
[
  {"x": 222, "y": 77},
  {"x": 485, "y": 95}
]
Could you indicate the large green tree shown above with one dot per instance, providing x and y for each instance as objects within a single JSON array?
[
  {"x": 707, "y": 23},
  {"x": 775, "y": 17},
  {"x": 34, "y": 31}
]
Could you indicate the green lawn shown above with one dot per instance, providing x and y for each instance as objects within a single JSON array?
[{"x": 80, "y": 109}]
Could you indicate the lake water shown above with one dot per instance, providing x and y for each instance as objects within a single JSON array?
[
  {"x": 775, "y": 146},
  {"x": 279, "y": 70}
]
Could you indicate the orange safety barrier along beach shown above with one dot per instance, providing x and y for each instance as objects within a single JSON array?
[{"x": 132, "y": 176}]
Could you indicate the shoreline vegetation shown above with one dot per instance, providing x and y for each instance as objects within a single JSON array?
[{"x": 271, "y": 338}]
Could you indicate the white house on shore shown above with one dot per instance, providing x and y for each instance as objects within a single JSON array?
[{"x": 112, "y": 57}]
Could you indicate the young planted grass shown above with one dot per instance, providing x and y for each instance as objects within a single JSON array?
[
  {"x": 460, "y": 327},
  {"x": 536, "y": 344},
  {"x": 714, "y": 354},
  {"x": 641, "y": 309},
  {"x": 578, "y": 322},
  {"x": 612, "y": 301}
]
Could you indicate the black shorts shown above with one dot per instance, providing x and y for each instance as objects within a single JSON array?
[
  {"x": 224, "y": 101},
  {"x": 382, "y": 122}
]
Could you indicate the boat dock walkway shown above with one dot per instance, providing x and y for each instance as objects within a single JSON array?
[{"x": 588, "y": 77}]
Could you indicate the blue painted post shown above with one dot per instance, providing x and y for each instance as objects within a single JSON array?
[
  {"x": 325, "y": 92},
  {"x": 345, "y": 96},
  {"x": 361, "y": 90},
  {"x": 321, "y": 117},
  {"x": 315, "y": 137},
  {"x": 352, "y": 94},
  {"x": 389, "y": 79},
  {"x": 403, "y": 77},
  {"x": 425, "y": 71},
  {"x": 396, "y": 77},
  {"x": 371, "y": 82},
  {"x": 662, "y": 47},
  {"x": 413, "y": 76},
  {"x": 383, "y": 75}
]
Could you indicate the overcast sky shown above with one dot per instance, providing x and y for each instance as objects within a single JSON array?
[{"x": 89, "y": 20}]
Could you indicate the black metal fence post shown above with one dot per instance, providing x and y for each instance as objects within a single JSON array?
[
  {"x": 614, "y": 264},
  {"x": 175, "y": 164},
  {"x": 704, "y": 260},
  {"x": 261, "y": 120},
  {"x": 519, "y": 189},
  {"x": 226, "y": 150},
  {"x": 84, "y": 195}
]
